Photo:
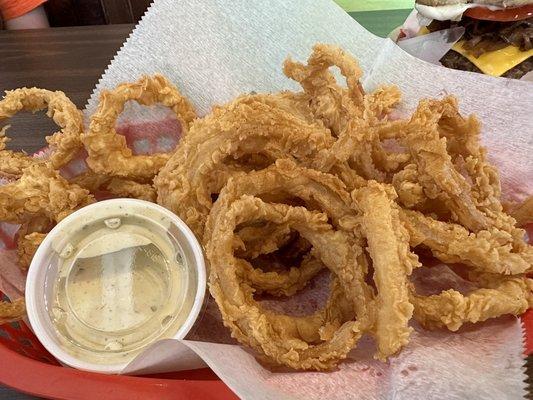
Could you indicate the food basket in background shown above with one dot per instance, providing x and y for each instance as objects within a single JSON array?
[{"x": 25, "y": 365}]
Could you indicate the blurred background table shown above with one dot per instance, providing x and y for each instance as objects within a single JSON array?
[{"x": 72, "y": 59}]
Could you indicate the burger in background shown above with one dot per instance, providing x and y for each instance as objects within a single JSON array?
[{"x": 497, "y": 39}]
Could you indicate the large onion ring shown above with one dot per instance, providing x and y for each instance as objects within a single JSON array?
[
  {"x": 202, "y": 163},
  {"x": 64, "y": 144},
  {"x": 319, "y": 191},
  {"x": 248, "y": 321},
  {"x": 108, "y": 152},
  {"x": 393, "y": 262}
]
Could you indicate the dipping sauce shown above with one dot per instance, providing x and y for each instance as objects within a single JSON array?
[{"x": 119, "y": 281}]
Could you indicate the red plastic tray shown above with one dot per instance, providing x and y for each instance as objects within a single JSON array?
[{"x": 25, "y": 365}]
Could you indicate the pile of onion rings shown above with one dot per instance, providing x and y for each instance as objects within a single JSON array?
[{"x": 283, "y": 188}]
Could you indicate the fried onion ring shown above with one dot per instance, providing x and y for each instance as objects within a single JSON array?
[
  {"x": 318, "y": 190},
  {"x": 12, "y": 162},
  {"x": 263, "y": 239},
  {"x": 332, "y": 104},
  {"x": 14, "y": 311},
  {"x": 248, "y": 321},
  {"x": 200, "y": 167},
  {"x": 108, "y": 152},
  {"x": 442, "y": 144},
  {"x": 115, "y": 186},
  {"x": 40, "y": 191},
  {"x": 354, "y": 118},
  {"x": 64, "y": 144},
  {"x": 393, "y": 262},
  {"x": 436, "y": 171},
  {"x": 451, "y": 309},
  {"x": 487, "y": 250}
]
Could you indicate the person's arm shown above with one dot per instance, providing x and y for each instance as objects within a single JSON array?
[{"x": 23, "y": 14}]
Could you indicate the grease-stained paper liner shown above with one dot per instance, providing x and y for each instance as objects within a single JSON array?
[
  {"x": 215, "y": 50},
  {"x": 481, "y": 363}
]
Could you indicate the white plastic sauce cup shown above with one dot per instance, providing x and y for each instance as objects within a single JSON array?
[{"x": 41, "y": 275}]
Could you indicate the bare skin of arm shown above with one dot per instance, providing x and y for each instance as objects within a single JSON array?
[{"x": 34, "y": 19}]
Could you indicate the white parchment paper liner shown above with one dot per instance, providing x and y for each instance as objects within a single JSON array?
[{"x": 214, "y": 50}]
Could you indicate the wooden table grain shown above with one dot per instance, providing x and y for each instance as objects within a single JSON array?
[
  {"x": 72, "y": 60},
  {"x": 67, "y": 59}
]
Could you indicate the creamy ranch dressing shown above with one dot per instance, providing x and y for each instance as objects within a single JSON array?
[{"x": 122, "y": 283}]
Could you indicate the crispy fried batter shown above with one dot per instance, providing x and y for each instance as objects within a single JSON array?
[
  {"x": 263, "y": 239},
  {"x": 65, "y": 143},
  {"x": 199, "y": 168},
  {"x": 248, "y": 321},
  {"x": 451, "y": 309},
  {"x": 487, "y": 250},
  {"x": 115, "y": 186},
  {"x": 14, "y": 311},
  {"x": 354, "y": 118},
  {"x": 11, "y": 162},
  {"x": 40, "y": 191},
  {"x": 436, "y": 171},
  {"x": 276, "y": 283},
  {"x": 127, "y": 188},
  {"x": 388, "y": 245},
  {"x": 321, "y": 191},
  {"x": 410, "y": 192},
  {"x": 330, "y": 103},
  {"x": 108, "y": 152},
  {"x": 464, "y": 146},
  {"x": 452, "y": 166},
  {"x": 27, "y": 246}
]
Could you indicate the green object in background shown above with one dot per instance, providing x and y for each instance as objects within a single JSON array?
[
  {"x": 381, "y": 23},
  {"x": 378, "y": 16},
  {"x": 375, "y": 5}
]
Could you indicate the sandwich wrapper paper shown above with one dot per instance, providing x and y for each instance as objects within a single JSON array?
[{"x": 214, "y": 50}]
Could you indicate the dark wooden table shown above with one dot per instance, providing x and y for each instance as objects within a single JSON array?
[
  {"x": 67, "y": 59},
  {"x": 72, "y": 60}
]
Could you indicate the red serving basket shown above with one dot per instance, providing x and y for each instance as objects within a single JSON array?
[
  {"x": 28, "y": 367},
  {"x": 25, "y": 365}
]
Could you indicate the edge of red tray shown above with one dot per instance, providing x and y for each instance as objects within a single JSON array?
[{"x": 40, "y": 379}]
